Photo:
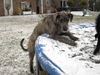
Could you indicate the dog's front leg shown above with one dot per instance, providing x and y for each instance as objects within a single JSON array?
[
  {"x": 64, "y": 40},
  {"x": 67, "y": 33}
]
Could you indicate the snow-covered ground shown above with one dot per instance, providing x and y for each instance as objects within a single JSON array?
[
  {"x": 80, "y": 13},
  {"x": 68, "y": 60},
  {"x": 13, "y": 60}
]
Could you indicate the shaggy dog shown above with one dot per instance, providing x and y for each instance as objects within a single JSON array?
[
  {"x": 97, "y": 35},
  {"x": 55, "y": 25}
]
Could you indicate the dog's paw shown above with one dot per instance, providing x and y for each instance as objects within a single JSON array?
[
  {"x": 73, "y": 44},
  {"x": 75, "y": 39}
]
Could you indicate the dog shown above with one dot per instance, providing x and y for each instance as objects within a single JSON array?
[
  {"x": 97, "y": 35},
  {"x": 56, "y": 25}
]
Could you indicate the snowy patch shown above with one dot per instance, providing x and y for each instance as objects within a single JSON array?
[
  {"x": 61, "y": 59},
  {"x": 27, "y": 12},
  {"x": 79, "y": 13}
]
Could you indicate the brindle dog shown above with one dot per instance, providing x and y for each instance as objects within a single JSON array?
[{"x": 55, "y": 25}]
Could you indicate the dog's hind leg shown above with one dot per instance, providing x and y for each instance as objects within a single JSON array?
[
  {"x": 97, "y": 47},
  {"x": 31, "y": 64},
  {"x": 31, "y": 54}
]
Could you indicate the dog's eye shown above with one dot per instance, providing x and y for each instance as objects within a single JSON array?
[
  {"x": 66, "y": 19},
  {"x": 61, "y": 20}
]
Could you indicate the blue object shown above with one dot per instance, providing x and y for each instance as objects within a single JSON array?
[{"x": 46, "y": 62}]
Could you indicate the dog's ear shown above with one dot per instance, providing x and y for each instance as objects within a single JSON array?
[
  {"x": 56, "y": 17},
  {"x": 70, "y": 16}
]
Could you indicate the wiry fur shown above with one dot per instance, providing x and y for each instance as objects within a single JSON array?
[{"x": 55, "y": 25}]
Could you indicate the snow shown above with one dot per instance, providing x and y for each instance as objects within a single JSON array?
[
  {"x": 73, "y": 60},
  {"x": 27, "y": 12},
  {"x": 14, "y": 61},
  {"x": 80, "y": 13}
]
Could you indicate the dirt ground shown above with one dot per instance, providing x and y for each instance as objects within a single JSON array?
[{"x": 13, "y": 60}]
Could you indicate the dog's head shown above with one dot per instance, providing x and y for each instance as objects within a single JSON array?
[{"x": 62, "y": 19}]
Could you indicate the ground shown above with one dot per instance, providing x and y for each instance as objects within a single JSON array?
[{"x": 13, "y": 60}]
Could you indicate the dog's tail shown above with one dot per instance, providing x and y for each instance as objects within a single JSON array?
[{"x": 21, "y": 44}]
